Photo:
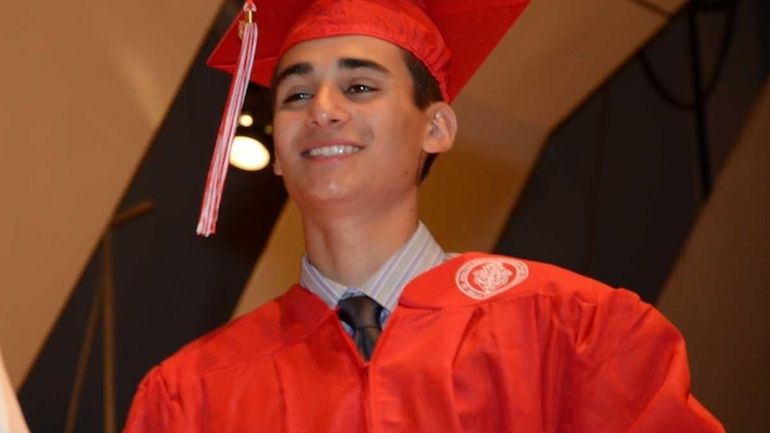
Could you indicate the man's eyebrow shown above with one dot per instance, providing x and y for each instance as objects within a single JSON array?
[
  {"x": 343, "y": 63},
  {"x": 296, "y": 69},
  {"x": 353, "y": 63}
]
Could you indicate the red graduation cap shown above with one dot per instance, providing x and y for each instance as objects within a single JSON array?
[{"x": 451, "y": 37}]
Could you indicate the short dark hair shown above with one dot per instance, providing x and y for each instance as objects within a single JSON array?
[
  {"x": 426, "y": 88},
  {"x": 425, "y": 92}
]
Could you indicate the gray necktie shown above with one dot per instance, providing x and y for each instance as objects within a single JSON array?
[{"x": 362, "y": 313}]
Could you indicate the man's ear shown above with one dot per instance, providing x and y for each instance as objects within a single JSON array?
[{"x": 442, "y": 128}]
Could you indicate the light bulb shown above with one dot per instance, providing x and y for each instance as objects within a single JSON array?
[
  {"x": 249, "y": 154},
  {"x": 245, "y": 120}
]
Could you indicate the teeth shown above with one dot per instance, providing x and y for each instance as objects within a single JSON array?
[{"x": 336, "y": 150}]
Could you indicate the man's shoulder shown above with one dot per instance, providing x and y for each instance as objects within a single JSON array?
[
  {"x": 244, "y": 339},
  {"x": 545, "y": 293},
  {"x": 483, "y": 278}
]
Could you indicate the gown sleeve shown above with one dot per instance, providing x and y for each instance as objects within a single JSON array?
[
  {"x": 631, "y": 373},
  {"x": 158, "y": 406}
]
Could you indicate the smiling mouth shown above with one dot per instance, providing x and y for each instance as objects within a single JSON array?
[{"x": 331, "y": 151}]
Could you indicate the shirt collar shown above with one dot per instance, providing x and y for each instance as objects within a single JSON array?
[{"x": 419, "y": 254}]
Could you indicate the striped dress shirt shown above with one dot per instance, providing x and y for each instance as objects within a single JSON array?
[{"x": 419, "y": 254}]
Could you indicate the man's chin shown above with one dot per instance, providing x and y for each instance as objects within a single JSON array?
[{"x": 323, "y": 194}]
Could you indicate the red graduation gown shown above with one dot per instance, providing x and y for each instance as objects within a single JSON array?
[{"x": 544, "y": 350}]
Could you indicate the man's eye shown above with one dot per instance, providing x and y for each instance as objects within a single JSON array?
[
  {"x": 294, "y": 97},
  {"x": 360, "y": 88}
]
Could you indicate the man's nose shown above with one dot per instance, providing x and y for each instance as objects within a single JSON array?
[{"x": 328, "y": 108}]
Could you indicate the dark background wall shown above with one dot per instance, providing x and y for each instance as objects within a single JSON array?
[{"x": 618, "y": 185}]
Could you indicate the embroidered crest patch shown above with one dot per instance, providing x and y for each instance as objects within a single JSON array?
[{"x": 486, "y": 277}]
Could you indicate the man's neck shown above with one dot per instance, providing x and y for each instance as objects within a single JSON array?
[{"x": 351, "y": 249}]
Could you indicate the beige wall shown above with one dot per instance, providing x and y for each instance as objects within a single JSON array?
[
  {"x": 84, "y": 86},
  {"x": 719, "y": 292}
]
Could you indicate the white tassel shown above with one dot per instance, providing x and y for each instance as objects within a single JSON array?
[{"x": 215, "y": 182}]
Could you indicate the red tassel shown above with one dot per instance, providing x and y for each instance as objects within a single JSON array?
[{"x": 215, "y": 182}]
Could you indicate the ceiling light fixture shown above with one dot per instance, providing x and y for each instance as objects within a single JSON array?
[
  {"x": 245, "y": 120},
  {"x": 249, "y": 154}
]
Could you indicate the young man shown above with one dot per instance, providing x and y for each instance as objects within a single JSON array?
[{"x": 387, "y": 332}]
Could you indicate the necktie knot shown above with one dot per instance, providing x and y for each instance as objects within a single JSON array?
[{"x": 362, "y": 313}]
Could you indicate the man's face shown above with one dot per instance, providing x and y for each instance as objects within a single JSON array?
[{"x": 345, "y": 126}]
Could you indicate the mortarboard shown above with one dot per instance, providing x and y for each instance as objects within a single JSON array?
[{"x": 451, "y": 38}]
